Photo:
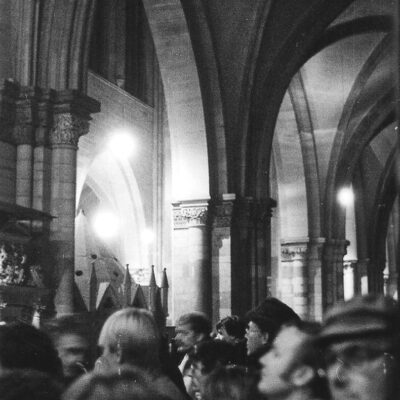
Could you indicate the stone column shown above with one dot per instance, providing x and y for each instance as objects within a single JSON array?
[
  {"x": 191, "y": 273},
  {"x": 333, "y": 253},
  {"x": 71, "y": 120},
  {"x": 294, "y": 282},
  {"x": 376, "y": 267},
  {"x": 8, "y": 96},
  {"x": 251, "y": 250},
  {"x": 42, "y": 153},
  {"x": 23, "y": 137},
  {"x": 360, "y": 270},
  {"x": 221, "y": 218},
  {"x": 315, "y": 309}
]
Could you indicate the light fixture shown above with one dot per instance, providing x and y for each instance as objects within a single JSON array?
[
  {"x": 345, "y": 196},
  {"x": 148, "y": 236},
  {"x": 105, "y": 224},
  {"x": 122, "y": 143}
]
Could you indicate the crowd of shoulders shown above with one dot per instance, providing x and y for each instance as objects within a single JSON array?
[{"x": 269, "y": 353}]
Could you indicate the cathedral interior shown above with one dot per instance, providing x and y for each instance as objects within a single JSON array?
[{"x": 242, "y": 148}]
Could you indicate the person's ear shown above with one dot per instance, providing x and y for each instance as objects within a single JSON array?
[
  {"x": 264, "y": 337},
  {"x": 302, "y": 375},
  {"x": 201, "y": 337}
]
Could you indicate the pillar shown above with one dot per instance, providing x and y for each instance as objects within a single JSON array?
[
  {"x": 42, "y": 152},
  {"x": 191, "y": 258},
  {"x": 23, "y": 137},
  {"x": 251, "y": 251},
  {"x": 376, "y": 267},
  {"x": 333, "y": 253},
  {"x": 221, "y": 263},
  {"x": 314, "y": 266},
  {"x": 71, "y": 120},
  {"x": 360, "y": 269},
  {"x": 295, "y": 276}
]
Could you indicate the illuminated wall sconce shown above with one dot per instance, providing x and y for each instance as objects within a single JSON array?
[
  {"x": 345, "y": 196},
  {"x": 105, "y": 224}
]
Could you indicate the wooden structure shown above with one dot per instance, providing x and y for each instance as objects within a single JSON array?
[{"x": 23, "y": 291}]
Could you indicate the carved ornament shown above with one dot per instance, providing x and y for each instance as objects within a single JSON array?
[
  {"x": 222, "y": 214},
  {"x": 187, "y": 216},
  {"x": 295, "y": 251},
  {"x": 67, "y": 129}
]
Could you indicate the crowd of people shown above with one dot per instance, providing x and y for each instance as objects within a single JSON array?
[{"x": 270, "y": 353}]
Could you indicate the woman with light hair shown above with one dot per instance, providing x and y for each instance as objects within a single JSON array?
[
  {"x": 130, "y": 337},
  {"x": 124, "y": 384}
]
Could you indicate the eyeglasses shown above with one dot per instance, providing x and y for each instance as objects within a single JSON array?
[
  {"x": 355, "y": 357},
  {"x": 254, "y": 331}
]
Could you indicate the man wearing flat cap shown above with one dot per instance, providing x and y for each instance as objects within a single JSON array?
[{"x": 360, "y": 338}]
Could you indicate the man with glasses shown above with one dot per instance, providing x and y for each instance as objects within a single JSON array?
[
  {"x": 263, "y": 323},
  {"x": 361, "y": 343}
]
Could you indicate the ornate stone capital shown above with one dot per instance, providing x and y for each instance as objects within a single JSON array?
[
  {"x": 8, "y": 98},
  {"x": 254, "y": 212},
  {"x": 44, "y": 117},
  {"x": 188, "y": 214},
  {"x": 71, "y": 117},
  {"x": 67, "y": 129},
  {"x": 294, "y": 250},
  {"x": 336, "y": 249},
  {"x": 25, "y": 116},
  {"x": 221, "y": 211}
]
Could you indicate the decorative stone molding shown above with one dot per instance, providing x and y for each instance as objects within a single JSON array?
[
  {"x": 293, "y": 251},
  {"x": 254, "y": 212},
  {"x": 24, "y": 116},
  {"x": 189, "y": 214},
  {"x": 8, "y": 98},
  {"x": 71, "y": 117},
  {"x": 221, "y": 211},
  {"x": 44, "y": 117},
  {"x": 68, "y": 129},
  {"x": 23, "y": 134}
]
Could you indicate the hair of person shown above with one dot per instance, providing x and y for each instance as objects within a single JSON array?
[
  {"x": 22, "y": 346},
  {"x": 233, "y": 325},
  {"x": 270, "y": 315},
  {"x": 311, "y": 355},
  {"x": 29, "y": 385},
  {"x": 134, "y": 333},
  {"x": 124, "y": 384},
  {"x": 212, "y": 354},
  {"x": 231, "y": 383},
  {"x": 69, "y": 324},
  {"x": 198, "y": 322}
]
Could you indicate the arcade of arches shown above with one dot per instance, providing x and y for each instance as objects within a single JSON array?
[{"x": 248, "y": 118}]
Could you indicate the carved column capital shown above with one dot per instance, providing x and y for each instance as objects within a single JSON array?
[
  {"x": 67, "y": 129},
  {"x": 44, "y": 117},
  {"x": 221, "y": 211},
  {"x": 8, "y": 96},
  {"x": 294, "y": 250},
  {"x": 25, "y": 116},
  {"x": 190, "y": 213},
  {"x": 252, "y": 211},
  {"x": 71, "y": 117}
]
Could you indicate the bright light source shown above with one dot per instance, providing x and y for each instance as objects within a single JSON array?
[
  {"x": 148, "y": 236},
  {"x": 121, "y": 143},
  {"x": 345, "y": 196},
  {"x": 105, "y": 224}
]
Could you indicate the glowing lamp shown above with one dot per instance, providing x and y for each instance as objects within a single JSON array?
[
  {"x": 105, "y": 224},
  {"x": 148, "y": 236},
  {"x": 121, "y": 143},
  {"x": 345, "y": 196}
]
